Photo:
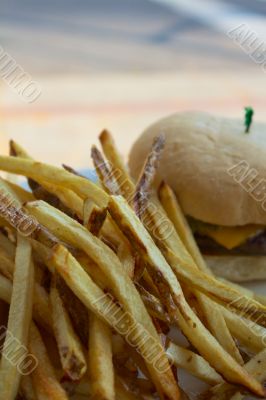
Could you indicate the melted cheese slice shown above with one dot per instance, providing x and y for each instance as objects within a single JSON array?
[{"x": 231, "y": 237}]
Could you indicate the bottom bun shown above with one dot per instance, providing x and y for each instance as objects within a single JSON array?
[{"x": 238, "y": 268}]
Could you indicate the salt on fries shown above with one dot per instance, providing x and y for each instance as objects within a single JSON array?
[{"x": 97, "y": 268}]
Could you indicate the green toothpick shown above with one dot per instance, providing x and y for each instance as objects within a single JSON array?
[{"x": 249, "y": 112}]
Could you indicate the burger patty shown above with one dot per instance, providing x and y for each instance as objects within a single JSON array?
[{"x": 255, "y": 245}]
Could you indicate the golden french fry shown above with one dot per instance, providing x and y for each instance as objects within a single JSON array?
[
  {"x": 7, "y": 247},
  {"x": 213, "y": 315},
  {"x": 20, "y": 314},
  {"x": 101, "y": 367},
  {"x": 67, "y": 197},
  {"x": 117, "y": 166},
  {"x": 255, "y": 367},
  {"x": 5, "y": 289},
  {"x": 44, "y": 378},
  {"x": 57, "y": 176},
  {"x": 104, "y": 172},
  {"x": 69, "y": 346},
  {"x": 146, "y": 178},
  {"x": 193, "y": 363}
]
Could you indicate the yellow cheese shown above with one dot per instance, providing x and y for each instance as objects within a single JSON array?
[{"x": 231, "y": 237}]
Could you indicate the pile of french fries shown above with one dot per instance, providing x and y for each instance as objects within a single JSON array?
[{"x": 96, "y": 276}]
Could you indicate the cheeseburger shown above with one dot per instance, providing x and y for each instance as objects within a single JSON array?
[{"x": 218, "y": 172}]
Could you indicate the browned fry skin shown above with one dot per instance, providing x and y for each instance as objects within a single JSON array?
[
  {"x": 76, "y": 309},
  {"x": 103, "y": 171},
  {"x": 12, "y": 151},
  {"x": 96, "y": 220},
  {"x": 153, "y": 304},
  {"x": 72, "y": 170},
  {"x": 25, "y": 223},
  {"x": 117, "y": 165},
  {"x": 143, "y": 187}
]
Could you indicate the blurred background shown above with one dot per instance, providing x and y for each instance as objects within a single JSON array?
[{"x": 122, "y": 64}]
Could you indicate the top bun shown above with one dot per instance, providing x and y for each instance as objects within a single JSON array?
[{"x": 200, "y": 148}]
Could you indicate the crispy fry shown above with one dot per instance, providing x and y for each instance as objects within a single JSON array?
[
  {"x": 175, "y": 214},
  {"x": 67, "y": 197},
  {"x": 191, "y": 326},
  {"x": 5, "y": 289},
  {"x": 69, "y": 346},
  {"x": 93, "y": 217},
  {"x": 255, "y": 367},
  {"x": 77, "y": 311},
  {"x": 40, "y": 300},
  {"x": 248, "y": 333},
  {"x": 103, "y": 172},
  {"x": 44, "y": 378},
  {"x": 57, "y": 176},
  {"x": 143, "y": 187},
  {"x": 154, "y": 305},
  {"x": 217, "y": 290},
  {"x": 193, "y": 363},
  {"x": 100, "y": 359},
  {"x": 19, "y": 320},
  {"x": 117, "y": 166},
  {"x": 211, "y": 311},
  {"x": 7, "y": 247}
]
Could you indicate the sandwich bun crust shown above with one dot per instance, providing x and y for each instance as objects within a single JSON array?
[{"x": 200, "y": 149}]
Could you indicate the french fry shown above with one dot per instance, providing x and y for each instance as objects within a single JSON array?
[
  {"x": 44, "y": 378},
  {"x": 66, "y": 196},
  {"x": 154, "y": 305},
  {"x": 122, "y": 393},
  {"x": 248, "y": 333},
  {"x": 6, "y": 265},
  {"x": 100, "y": 304},
  {"x": 175, "y": 214},
  {"x": 57, "y": 176},
  {"x": 190, "y": 324},
  {"x": 40, "y": 298},
  {"x": 255, "y": 367},
  {"x": 19, "y": 320},
  {"x": 143, "y": 186},
  {"x": 7, "y": 247},
  {"x": 21, "y": 193},
  {"x": 93, "y": 217},
  {"x": 217, "y": 290},
  {"x": 103, "y": 172},
  {"x": 70, "y": 349},
  {"x": 100, "y": 359},
  {"x": 75, "y": 308},
  {"x": 117, "y": 166},
  {"x": 193, "y": 363},
  {"x": 5, "y": 289},
  {"x": 211, "y": 311}
]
